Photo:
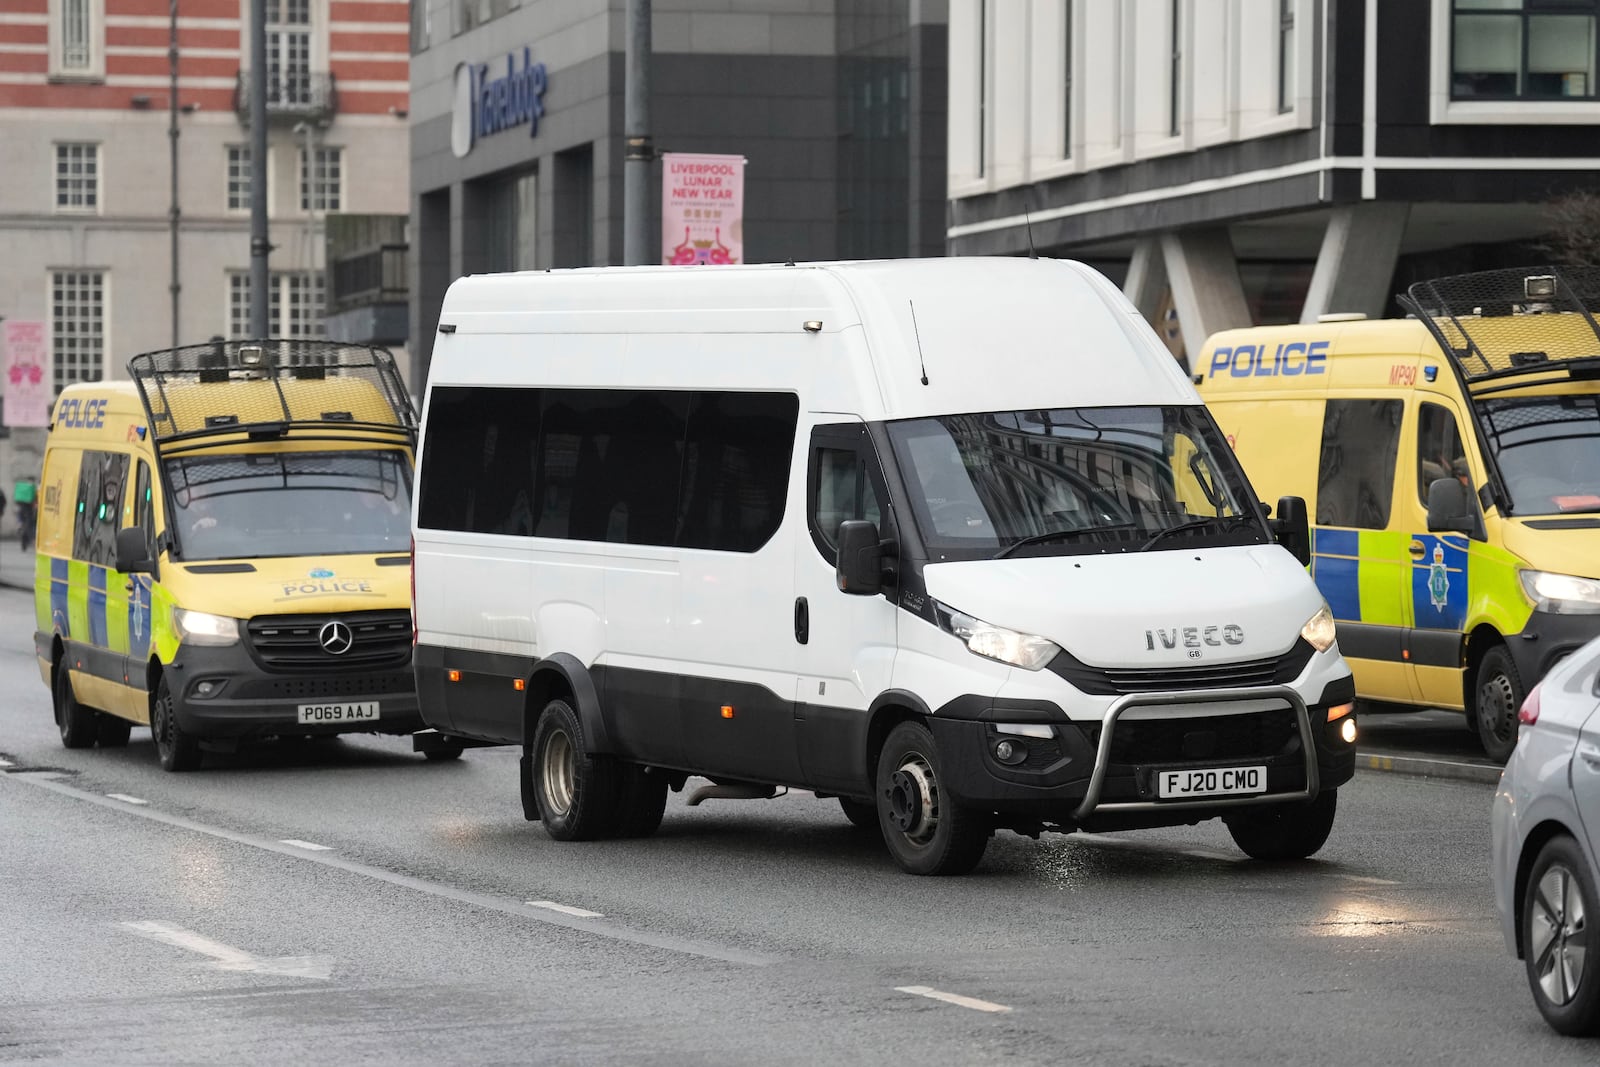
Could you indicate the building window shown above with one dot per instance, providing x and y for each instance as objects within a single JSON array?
[
  {"x": 1066, "y": 79},
  {"x": 77, "y": 39},
  {"x": 238, "y": 177},
  {"x": 77, "y": 325},
  {"x": 77, "y": 177},
  {"x": 1175, "y": 69},
  {"x": 419, "y": 26},
  {"x": 288, "y": 52},
  {"x": 1285, "y": 56},
  {"x": 1523, "y": 50},
  {"x": 322, "y": 181},
  {"x": 295, "y": 303}
]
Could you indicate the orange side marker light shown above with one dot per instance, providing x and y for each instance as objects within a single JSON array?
[
  {"x": 727, "y": 711},
  {"x": 454, "y": 676}
]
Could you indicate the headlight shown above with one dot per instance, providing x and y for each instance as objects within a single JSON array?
[
  {"x": 1319, "y": 631},
  {"x": 203, "y": 628},
  {"x": 996, "y": 642},
  {"x": 1561, "y": 594}
]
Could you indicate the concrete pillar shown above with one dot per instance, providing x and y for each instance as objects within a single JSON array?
[
  {"x": 1205, "y": 284},
  {"x": 1355, "y": 267},
  {"x": 1147, "y": 278}
]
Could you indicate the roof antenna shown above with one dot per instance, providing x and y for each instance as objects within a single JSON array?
[
  {"x": 1028, "y": 222},
  {"x": 918, "y": 335}
]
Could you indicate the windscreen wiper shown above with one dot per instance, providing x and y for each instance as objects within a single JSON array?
[
  {"x": 1225, "y": 522},
  {"x": 1056, "y": 535}
]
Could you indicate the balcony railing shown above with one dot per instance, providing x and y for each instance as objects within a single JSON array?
[{"x": 291, "y": 93}]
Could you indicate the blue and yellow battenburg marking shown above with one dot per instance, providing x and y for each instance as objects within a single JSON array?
[
  {"x": 80, "y": 608},
  {"x": 1357, "y": 593}
]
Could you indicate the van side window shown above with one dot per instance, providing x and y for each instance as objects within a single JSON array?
[
  {"x": 736, "y": 469},
  {"x": 1355, "y": 479},
  {"x": 842, "y": 487},
  {"x": 102, "y": 479},
  {"x": 643, "y": 467},
  {"x": 144, "y": 510},
  {"x": 1440, "y": 450}
]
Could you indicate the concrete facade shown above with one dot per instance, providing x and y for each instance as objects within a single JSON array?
[
  {"x": 1320, "y": 153},
  {"x": 766, "y": 79}
]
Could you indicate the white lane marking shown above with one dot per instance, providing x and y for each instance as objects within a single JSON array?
[
  {"x": 565, "y": 909},
  {"x": 126, "y": 799},
  {"x": 48, "y": 780},
  {"x": 951, "y": 998},
  {"x": 228, "y": 958},
  {"x": 309, "y": 846},
  {"x": 1368, "y": 880},
  {"x": 6, "y": 763}
]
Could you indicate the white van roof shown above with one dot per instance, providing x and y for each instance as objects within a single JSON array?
[{"x": 993, "y": 334}]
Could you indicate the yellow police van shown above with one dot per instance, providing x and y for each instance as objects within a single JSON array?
[
  {"x": 223, "y": 549},
  {"x": 1451, "y": 461}
]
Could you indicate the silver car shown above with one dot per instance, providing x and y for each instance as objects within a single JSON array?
[{"x": 1546, "y": 843}]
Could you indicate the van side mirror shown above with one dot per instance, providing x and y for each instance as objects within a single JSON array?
[
  {"x": 1450, "y": 507},
  {"x": 860, "y": 567},
  {"x": 133, "y": 551},
  {"x": 1292, "y": 528}
]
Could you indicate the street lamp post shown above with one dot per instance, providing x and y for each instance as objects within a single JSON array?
[{"x": 174, "y": 286}]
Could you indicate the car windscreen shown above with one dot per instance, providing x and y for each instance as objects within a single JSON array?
[
  {"x": 1073, "y": 481},
  {"x": 1548, "y": 451},
  {"x": 290, "y": 503}
]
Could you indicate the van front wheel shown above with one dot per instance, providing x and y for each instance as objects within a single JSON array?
[
  {"x": 177, "y": 750},
  {"x": 1290, "y": 831},
  {"x": 1497, "y": 696},
  {"x": 578, "y": 795},
  {"x": 80, "y": 726},
  {"x": 926, "y": 830}
]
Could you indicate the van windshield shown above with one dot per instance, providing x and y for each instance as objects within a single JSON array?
[
  {"x": 1073, "y": 481},
  {"x": 290, "y": 503},
  {"x": 1548, "y": 448}
]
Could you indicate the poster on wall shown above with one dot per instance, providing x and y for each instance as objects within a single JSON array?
[
  {"x": 702, "y": 209},
  {"x": 26, "y": 364}
]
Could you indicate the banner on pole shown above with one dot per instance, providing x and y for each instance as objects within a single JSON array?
[
  {"x": 702, "y": 208},
  {"x": 27, "y": 374}
]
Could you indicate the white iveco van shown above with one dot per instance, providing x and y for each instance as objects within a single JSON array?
[{"x": 953, "y": 541}]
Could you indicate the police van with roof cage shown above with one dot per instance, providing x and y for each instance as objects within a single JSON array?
[{"x": 222, "y": 545}]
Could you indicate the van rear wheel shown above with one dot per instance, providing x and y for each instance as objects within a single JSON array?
[
  {"x": 862, "y": 815},
  {"x": 79, "y": 725},
  {"x": 926, "y": 830},
  {"x": 1497, "y": 696},
  {"x": 578, "y": 795},
  {"x": 114, "y": 731}
]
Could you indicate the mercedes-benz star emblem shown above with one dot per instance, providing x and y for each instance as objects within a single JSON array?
[{"x": 335, "y": 638}]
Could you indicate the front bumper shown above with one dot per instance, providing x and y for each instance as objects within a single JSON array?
[
  {"x": 222, "y": 693},
  {"x": 1103, "y": 775},
  {"x": 1546, "y": 639}
]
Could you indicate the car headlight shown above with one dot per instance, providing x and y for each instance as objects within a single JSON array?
[
  {"x": 203, "y": 628},
  {"x": 996, "y": 642},
  {"x": 1319, "y": 631},
  {"x": 1561, "y": 594}
]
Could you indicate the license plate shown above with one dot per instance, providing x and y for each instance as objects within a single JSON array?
[
  {"x": 341, "y": 711},
  {"x": 1213, "y": 782}
]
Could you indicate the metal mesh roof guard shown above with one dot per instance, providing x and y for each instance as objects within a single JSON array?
[
  {"x": 232, "y": 386},
  {"x": 1503, "y": 323}
]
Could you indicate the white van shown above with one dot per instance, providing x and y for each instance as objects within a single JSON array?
[{"x": 952, "y": 540}]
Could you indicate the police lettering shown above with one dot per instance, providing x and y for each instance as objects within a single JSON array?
[
  {"x": 81, "y": 414},
  {"x": 325, "y": 586},
  {"x": 1263, "y": 361}
]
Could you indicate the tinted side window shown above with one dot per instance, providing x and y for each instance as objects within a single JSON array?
[
  {"x": 736, "y": 469},
  {"x": 1440, "y": 450},
  {"x": 102, "y": 479},
  {"x": 610, "y": 463},
  {"x": 477, "y": 462},
  {"x": 1355, "y": 479},
  {"x": 144, "y": 513}
]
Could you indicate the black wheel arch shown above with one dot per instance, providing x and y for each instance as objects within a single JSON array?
[
  {"x": 888, "y": 710},
  {"x": 563, "y": 676}
]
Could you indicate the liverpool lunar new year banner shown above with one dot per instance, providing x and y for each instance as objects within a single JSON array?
[{"x": 702, "y": 209}]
